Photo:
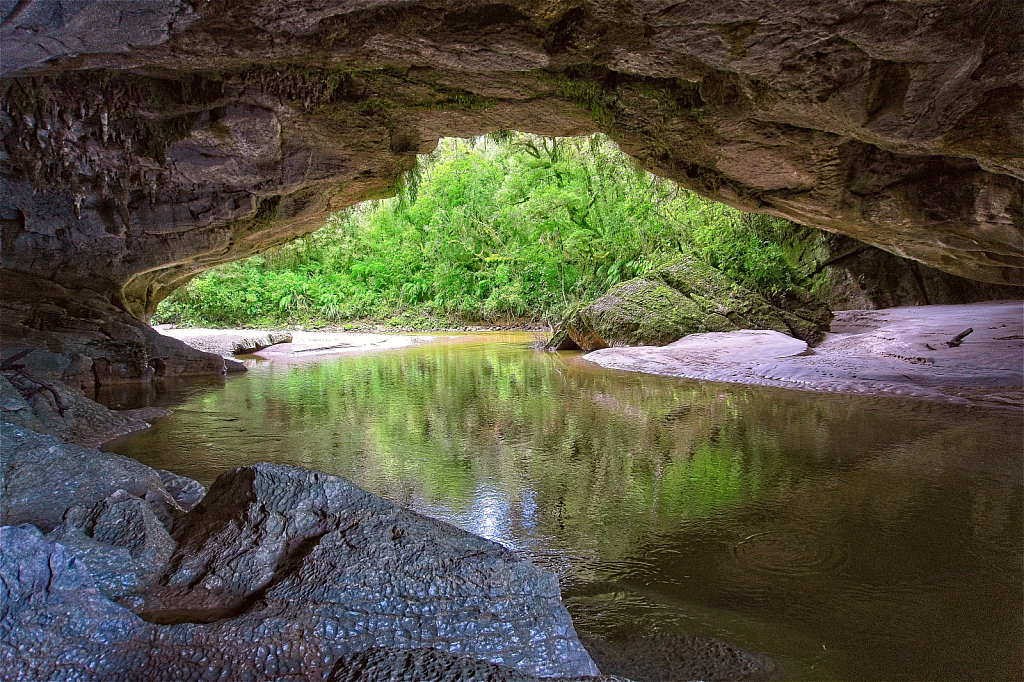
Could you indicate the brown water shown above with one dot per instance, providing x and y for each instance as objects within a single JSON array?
[{"x": 846, "y": 537}]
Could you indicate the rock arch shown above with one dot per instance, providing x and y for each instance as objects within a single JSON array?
[{"x": 147, "y": 140}]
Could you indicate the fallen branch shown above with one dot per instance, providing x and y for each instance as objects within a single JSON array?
[{"x": 959, "y": 338}]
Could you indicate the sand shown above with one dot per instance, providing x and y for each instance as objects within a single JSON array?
[
  {"x": 895, "y": 351},
  {"x": 304, "y": 346}
]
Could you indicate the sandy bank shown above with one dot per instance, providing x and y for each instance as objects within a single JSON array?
[
  {"x": 895, "y": 351},
  {"x": 304, "y": 345}
]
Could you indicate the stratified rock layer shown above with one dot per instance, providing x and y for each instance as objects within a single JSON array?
[{"x": 225, "y": 128}]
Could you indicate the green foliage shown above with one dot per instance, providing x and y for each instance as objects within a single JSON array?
[{"x": 508, "y": 226}]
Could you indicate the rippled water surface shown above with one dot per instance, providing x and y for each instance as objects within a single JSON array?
[{"x": 845, "y": 537}]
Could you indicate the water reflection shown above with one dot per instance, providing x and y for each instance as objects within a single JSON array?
[{"x": 847, "y": 537}]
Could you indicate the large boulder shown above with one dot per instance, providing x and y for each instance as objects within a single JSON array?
[
  {"x": 294, "y": 549},
  {"x": 300, "y": 575},
  {"x": 684, "y": 297}
]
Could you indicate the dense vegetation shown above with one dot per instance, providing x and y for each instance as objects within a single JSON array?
[{"x": 504, "y": 227}]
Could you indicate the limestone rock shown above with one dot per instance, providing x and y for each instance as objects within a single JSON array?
[
  {"x": 685, "y": 297},
  {"x": 221, "y": 130},
  {"x": 851, "y": 275},
  {"x": 314, "y": 569},
  {"x": 641, "y": 313},
  {"x": 55, "y": 623},
  {"x": 123, "y": 543},
  {"x": 44, "y": 476},
  {"x": 57, "y": 410},
  {"x": 187, "y": 492},
  {"x": 257, "y": 343},
  {"x": 417, "y": 665},
  {"x": 82, "y": 340},
  {"x": 286, "y": 545}
]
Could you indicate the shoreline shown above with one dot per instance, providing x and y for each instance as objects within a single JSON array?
[
  {"x": 896, "y": 352},
  {"x": 303, "y": 345}
]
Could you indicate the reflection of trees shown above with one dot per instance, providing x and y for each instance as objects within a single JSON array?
[
  {"x": 633, "y": 484},
  {"x": 606, "y": 458}
]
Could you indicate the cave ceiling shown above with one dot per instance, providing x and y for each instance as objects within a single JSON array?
[{"x": 147, "y": 140}]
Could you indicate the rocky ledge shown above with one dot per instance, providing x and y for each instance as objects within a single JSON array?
[{"x": 112, "y": 571}]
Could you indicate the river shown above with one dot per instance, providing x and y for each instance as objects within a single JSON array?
[{"x": 845, "y": 537}]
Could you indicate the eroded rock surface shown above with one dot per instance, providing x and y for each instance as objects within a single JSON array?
[
  {"x": 226, "y": 128},
  {"x": 43, "y": 476},
  {"x": 252, "y": 344},
  {"x": 686, "y": 297},
  {"x": 291, "y": 547},
  {"x": 122, "y": 542},
  {"x": 82, "y": 340},
  {"x": 298, "y": 572},
  {"x": 850, "y": 275}
]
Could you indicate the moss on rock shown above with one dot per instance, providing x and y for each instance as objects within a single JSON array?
[{"x": 688, "y": 296}]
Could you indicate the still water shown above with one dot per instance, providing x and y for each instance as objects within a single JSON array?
[{"x": 845, "y": 537}]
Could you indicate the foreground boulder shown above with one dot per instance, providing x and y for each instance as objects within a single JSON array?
[
  {"x": 279, "y": 572},
  {"x": 686, "y": 297},
  {"x": 43, "y": 477},
  {"x": 298, "y": 550}
]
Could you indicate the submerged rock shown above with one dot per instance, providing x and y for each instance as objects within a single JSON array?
[
  {"x": 686, "y": 297},
  {"x": 416, "y": 665}
]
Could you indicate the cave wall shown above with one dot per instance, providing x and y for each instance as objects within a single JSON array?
[
  {"x": 847, "y": 274},
  {"x": 147, "y": 140}
]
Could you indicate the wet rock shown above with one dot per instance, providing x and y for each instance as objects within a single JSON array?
[
  {"x": 55, "y": 624},
  {"x": 123, "y": 543},
  {"x": 257, "y": 343},
  {"x": 44, "y": 476},
  {"x": 686, "y": 297},
  {"x": 187, "y": 492},
  {"x": 429, "y": 665},
  {"x": 287, "y": 545},
  {"x": 53, "y": 408},
  {"x": 313, "y": 570}
]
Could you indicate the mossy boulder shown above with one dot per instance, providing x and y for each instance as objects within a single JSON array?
[{"x": 687, "y": 296}]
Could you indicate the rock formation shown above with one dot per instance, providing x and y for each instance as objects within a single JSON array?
[
  {"x": 278, "y": 571},
  {"x": 850, "y": 275},
  {"x": 685, "y": 297},
  {"x": 220, "y": 129}
]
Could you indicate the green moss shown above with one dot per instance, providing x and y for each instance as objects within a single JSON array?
[
  {"x": 674, "y": 97},
  {"x": 583, "y": 90},
  {"x": 645, "y": 312}
]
